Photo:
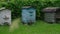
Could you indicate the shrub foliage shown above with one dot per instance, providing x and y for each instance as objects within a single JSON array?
[{"x": 16, "y": 5}]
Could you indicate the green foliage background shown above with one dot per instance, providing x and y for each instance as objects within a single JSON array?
[{"x": 16, "y": 5}]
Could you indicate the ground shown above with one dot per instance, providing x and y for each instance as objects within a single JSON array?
[{"x": 40, "y": 27}]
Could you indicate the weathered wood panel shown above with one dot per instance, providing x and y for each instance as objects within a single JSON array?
[{"x": 50, "y": 17}]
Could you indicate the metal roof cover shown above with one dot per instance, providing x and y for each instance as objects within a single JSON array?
[{"x": 51, "y": 9}]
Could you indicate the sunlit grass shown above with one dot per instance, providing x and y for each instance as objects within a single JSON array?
[{"x": 14, "y": 25}]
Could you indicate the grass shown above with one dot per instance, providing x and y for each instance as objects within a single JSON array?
[{"x": 39, "y": 27}]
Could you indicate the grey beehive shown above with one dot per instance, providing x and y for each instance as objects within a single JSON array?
[
  {"x": 28, "y": 14},
  {"x": 5, "y": 16},
  {"x": 51, "y": 14}
]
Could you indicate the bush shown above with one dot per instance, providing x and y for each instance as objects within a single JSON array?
[{"x": 16, "y": 6}]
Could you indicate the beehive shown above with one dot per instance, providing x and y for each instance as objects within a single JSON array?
[
  {"x": 28, "y": 14},
  {"x": 51, "y": 14},
  {"x": 5, "y": 16}
]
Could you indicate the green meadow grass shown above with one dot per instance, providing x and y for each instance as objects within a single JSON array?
[{"x": 40, "y": 27}]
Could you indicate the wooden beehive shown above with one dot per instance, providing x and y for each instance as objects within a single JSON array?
[
  {"x": 51, "y": 14},
  {"x": 28, "y": 14},
  {"x": 5, "y": 16}
]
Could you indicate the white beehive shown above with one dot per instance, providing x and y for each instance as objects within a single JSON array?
[{"x": 5, "y": 16}]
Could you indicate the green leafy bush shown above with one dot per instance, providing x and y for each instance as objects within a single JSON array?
[{"x": 16, "y": 5}]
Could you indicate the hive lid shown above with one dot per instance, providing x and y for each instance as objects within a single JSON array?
[
  {"x": 3, "y": 8},
  {"x": 27, "y": 7},
  {"x": 51, "y": 9}
]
